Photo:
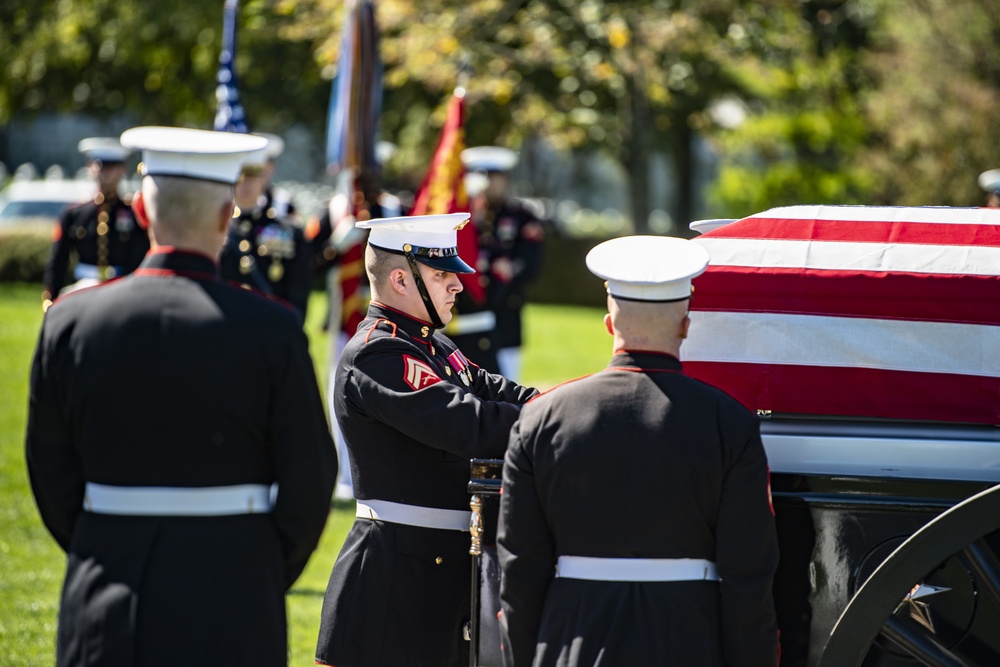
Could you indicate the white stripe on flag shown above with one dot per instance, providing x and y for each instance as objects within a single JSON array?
[
  {"x": 852, "y": 256},
  {"x": 933, "y": 214},
  {"x": 928, "y": 347}
]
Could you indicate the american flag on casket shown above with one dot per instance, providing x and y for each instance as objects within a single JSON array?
[{"x": 881, "y": 312}]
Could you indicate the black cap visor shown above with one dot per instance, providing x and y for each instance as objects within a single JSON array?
[
  {"x": 450, "y": 264},
  {"x": 442, "y": 259}
]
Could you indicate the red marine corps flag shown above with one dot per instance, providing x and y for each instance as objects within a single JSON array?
[
  {"x": 881, "y": 312},
  {"x": 443, "y": 189}
]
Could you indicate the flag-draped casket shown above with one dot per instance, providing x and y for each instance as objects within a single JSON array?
[{"x": 875, "y": 312}]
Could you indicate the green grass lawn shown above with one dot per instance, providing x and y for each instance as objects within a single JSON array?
[{"x": 562, "y": 342}]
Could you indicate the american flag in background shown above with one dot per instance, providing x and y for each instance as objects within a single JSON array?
[
  {"x": 882, "y": 312},
  {"x": 229, "y": 116}
]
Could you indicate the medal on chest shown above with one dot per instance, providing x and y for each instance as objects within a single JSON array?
[{"x": 458, "y": 361}]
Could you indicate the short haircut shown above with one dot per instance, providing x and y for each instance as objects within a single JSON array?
[
  {"x": 379, "y": 264},
  {"x": 646, "y": 317},
  {"x": 182, "y": 204}
]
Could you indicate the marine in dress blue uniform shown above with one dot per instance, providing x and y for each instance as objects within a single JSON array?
[
  {"x": 187, "y": 486},
  {"x": 276, "y": 197},
  {"x": 102, "y": 233},
  {"x": 265, "y": 250},
  {"x": 413, "y": 412},
  {"x": 990, "y": 182},
  {"x": 511, "y": 240},
  {"x": 675, "y": 565}
]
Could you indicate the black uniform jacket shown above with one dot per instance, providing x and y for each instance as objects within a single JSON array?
[
  {"x": 637, "y": 461},
  {"x": 171, "y": 378},
  {"x": 413, "y": 413},
  {"x": 269, "y": 254},
  {"x": 126, "y": 242},
  {"x": 517, "y": 236}
]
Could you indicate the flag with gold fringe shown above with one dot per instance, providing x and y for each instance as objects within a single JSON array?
[{"x": 443, "y": 189}]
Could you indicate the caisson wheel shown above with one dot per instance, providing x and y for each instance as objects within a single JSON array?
[{"x": 934, "y": 601}]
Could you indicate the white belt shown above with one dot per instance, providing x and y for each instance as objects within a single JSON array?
[
  {"x": 636, "y": 569},
  {"x": 177, "y": 501},
  {"x": 414, "y": 515},
  {"x": 93, "y": 272},
  {"x": 471, "y": 323}
]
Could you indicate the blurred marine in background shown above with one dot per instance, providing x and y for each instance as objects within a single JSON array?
[
  {"x": 990, "y": 182},
  {"x": 264, "y": 250},
  {"x": 101, "y": 234},
  {"x": 510, "y": 242}
]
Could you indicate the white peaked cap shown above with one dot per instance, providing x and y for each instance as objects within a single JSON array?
[
  {"x": 648, "y": 268},
  {"x": 990, "y": 180},
  {"x": 489, "y": 158},
  {"x": 105, "y": 149},
  {"x": 202, "y": 154},
  {"x": 433, "y": 239},
  {"x": 275, "y": 145},
  {"x": 705, "y": 226},
  {"x": 257, "y": 158},
  {"x": 384, "y": 150},
  {"x": 475, "y": 182}
]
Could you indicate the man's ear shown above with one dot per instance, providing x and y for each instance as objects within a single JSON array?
[
  {"x": 225, "y": 215},
  {"x": 607, "y": 324},
  {"x": 139, "y": 210},
  {"x": 397, "y": 280},
  {"x": 685, "y": 325}
]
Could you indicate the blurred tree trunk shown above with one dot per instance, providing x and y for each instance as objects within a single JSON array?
[
  {"x": 684, "y": 165},
  {"x": 637, "y": 154}
]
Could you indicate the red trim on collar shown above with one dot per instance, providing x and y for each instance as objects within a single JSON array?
[
  {"x": 561, "y": 384},
  {"x": 654, "y": 352},
  {"x": 173, "y": 250},
  {"x": 169, "y": 273},
  {"x": 396, "y": 310},
  {"x": 640, "y": 369},
  {"x": 637, "y": 369}
]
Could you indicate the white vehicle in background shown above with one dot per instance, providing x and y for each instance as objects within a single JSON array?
[{"x": 37, "y": 204}]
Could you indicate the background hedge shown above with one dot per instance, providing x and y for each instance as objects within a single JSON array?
[
  {"x": 23, "y": 253},
  {"x": 564, "y": 277}
]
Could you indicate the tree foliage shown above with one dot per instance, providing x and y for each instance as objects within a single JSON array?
[
  {"x": 152, "y": 60},
  {"x": 845, "y": 101},
  {"x": 626, "y": 78},
  {"x": 804, "y": 123},
  {"x": 934, "y": 104},
  {"x": 874, "y": 102}
]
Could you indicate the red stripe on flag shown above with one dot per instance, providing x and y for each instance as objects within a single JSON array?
[
  {"x": 864, "y": 231},
  {"x": 906, "y": 296},
  {"x": 443, "y": 191},
  {"x": 859, "y": 392}
]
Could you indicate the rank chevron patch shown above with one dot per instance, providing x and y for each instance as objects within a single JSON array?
[{"x": 418, "y": 374}]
